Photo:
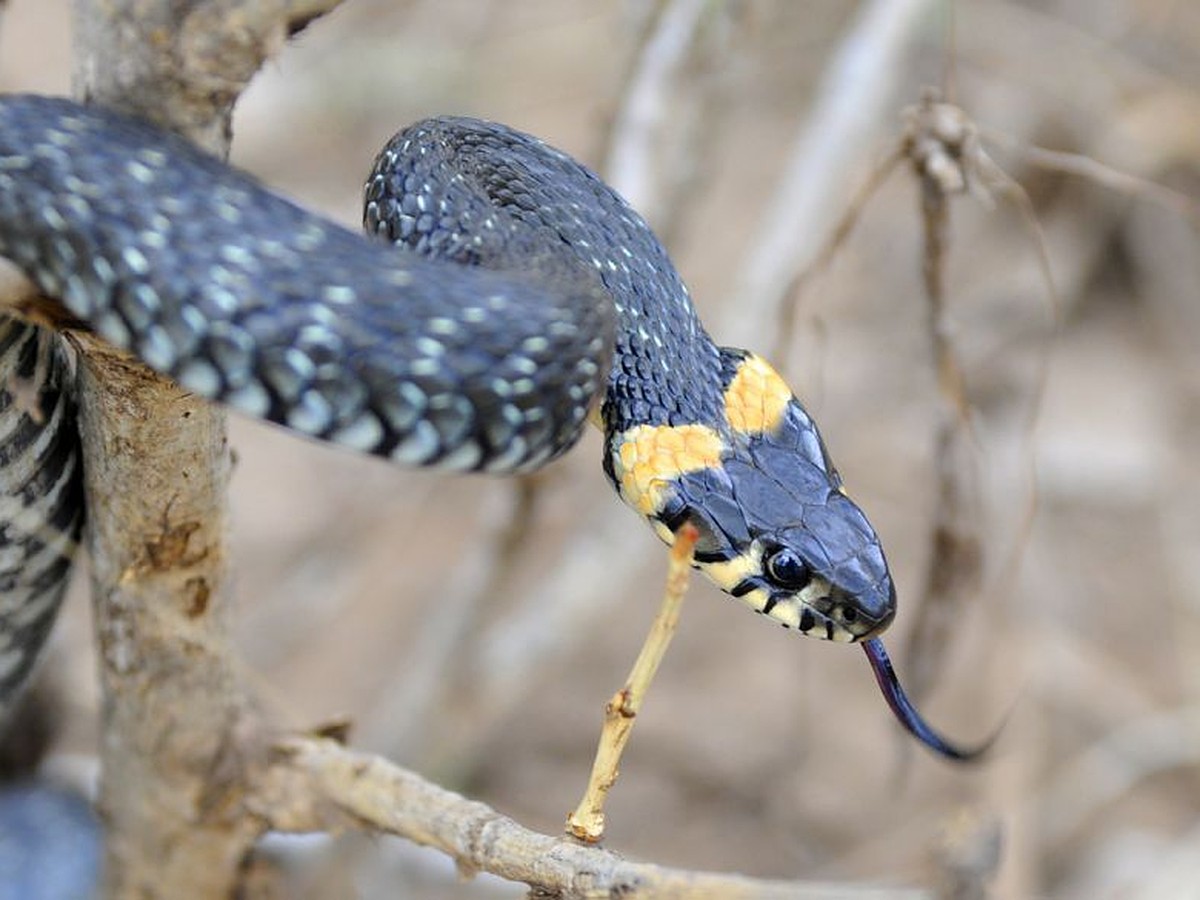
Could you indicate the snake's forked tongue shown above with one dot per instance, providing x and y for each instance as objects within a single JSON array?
[{"x": 885, "y": 675}]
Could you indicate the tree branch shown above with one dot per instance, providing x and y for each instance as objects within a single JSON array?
[{"x": 318, "y": 785}]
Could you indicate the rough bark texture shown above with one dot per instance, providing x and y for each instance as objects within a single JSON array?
[{"x": 156, "y": 466}]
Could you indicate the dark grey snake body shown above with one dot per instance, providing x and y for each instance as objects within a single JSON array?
[{"x": 245, "y": 298}]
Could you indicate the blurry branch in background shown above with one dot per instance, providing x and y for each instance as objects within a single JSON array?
[
  {"x": 1097, "y": 172},
  {"x": 967, "y": 854},
  {"x": 830, "y": 148},
  {"x": 942, "y": 148},
  {"x": 1082, "y": 787},
  {"x": 660, "y": 141},
  {"x": 642, "y": 117},
  {"x": 423, "y": 677},
  {"x": 838, "y": 235}
]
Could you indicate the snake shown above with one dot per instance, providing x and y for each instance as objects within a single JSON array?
[{"x": 502, "y": 297}]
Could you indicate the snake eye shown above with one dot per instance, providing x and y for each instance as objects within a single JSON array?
[{"x": 787, "y": 569}]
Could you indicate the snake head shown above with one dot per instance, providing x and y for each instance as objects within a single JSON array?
[
  {"x": 778, "y": 533},
  {"x": 777, "y": 530}
]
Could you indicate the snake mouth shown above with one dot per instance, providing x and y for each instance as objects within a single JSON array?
[
  {"x": 824, "y": 618},
  {"x": 834, "y": 615}
]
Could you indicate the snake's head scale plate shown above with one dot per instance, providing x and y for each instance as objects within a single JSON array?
[{"x": 776, "y": 528}]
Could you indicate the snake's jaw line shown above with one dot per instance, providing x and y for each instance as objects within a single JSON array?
[{"x": 906, "y": 713}]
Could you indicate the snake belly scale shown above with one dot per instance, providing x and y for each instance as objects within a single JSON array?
[{"x": 502, "y": 295}]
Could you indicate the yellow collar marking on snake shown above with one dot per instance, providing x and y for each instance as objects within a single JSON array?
[
  {"x": 650, "y": 456},
  {"x": 757, "y": 397}
]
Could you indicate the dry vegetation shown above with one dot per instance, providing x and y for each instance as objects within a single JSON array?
[{"x": 472, "y": 629}]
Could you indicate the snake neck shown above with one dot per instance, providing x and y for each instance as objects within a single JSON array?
[{"x": 484, "y": 194}]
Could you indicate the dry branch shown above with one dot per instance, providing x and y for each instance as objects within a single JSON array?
[
  {"x": 1097, "y": 172},
  {"x": 318, "y": 785},
  {"x": 588, "y": 820},
  {"x": 941, "y": 146}
]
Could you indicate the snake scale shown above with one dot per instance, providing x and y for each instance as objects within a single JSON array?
[{"x": 502, "y": 296}]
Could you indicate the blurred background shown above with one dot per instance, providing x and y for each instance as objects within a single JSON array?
[{"x": 1042, "y": 518}]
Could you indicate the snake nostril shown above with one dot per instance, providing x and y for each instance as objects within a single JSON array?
[{"x": 849, "y": 615}]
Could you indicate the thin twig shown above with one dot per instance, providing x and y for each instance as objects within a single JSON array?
[
  {"x": 588, "y": 820},
  {"x": 1095, "y": 171},
  {"x": 999, "y": 180},
  {"x": 825, "y": 255},
  {"x": 940, "y": 143}
]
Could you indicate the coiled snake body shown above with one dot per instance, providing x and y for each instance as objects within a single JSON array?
[{"x": 523, "y": 293}]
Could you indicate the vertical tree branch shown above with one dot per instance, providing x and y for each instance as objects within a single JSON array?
[
  {"x": 156, "y": 466},
  {"x": 174, "y": 742}
]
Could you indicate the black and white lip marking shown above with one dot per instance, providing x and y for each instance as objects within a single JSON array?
[{"x": 815, "y": 611}]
